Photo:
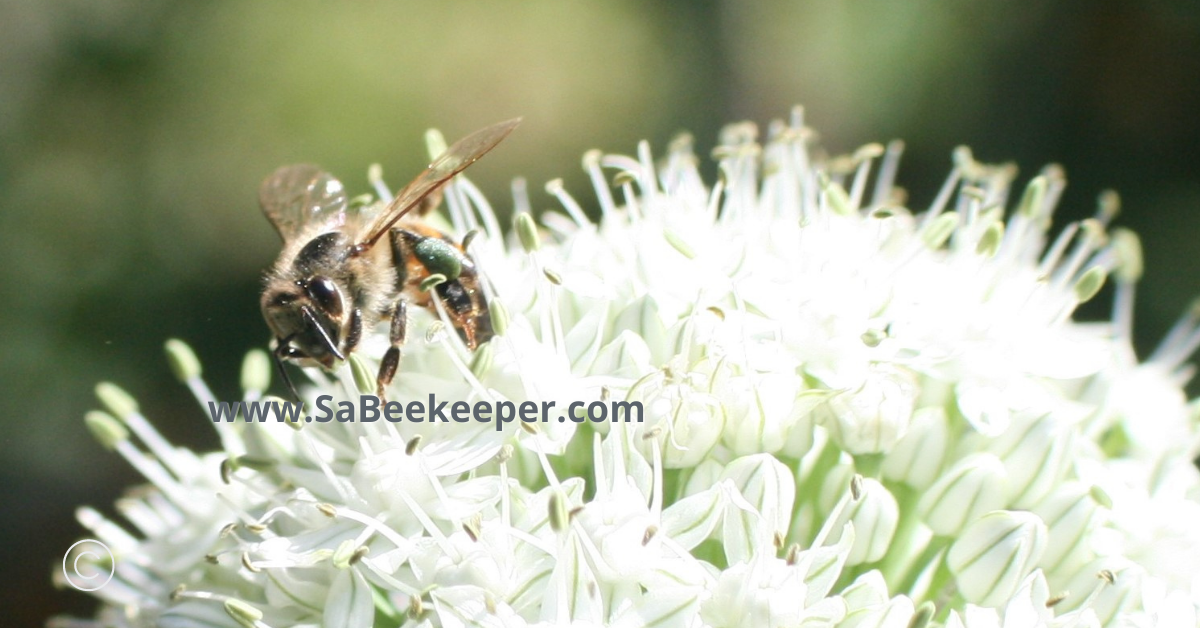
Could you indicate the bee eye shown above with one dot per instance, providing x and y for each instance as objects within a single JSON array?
[{"x": 325, "y": 294}]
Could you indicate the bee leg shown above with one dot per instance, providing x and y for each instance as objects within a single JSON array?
[
  {"x": 355, "y": 333},
  {"x": 391, "y": 359},
  {"x": 281, "y": 352}
]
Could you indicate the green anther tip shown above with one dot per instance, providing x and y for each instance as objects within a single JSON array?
[
  {"x": 558, "y": 512},
  {"x": 1109, "y": 203},
  {"x": 526, "y": 232},
  {"x": 432, "y": 281},
  {"x": 1100, "y": 497},
  {"x": 679, "y": 244},
  {"x": 1031, "y": 200},
  {"x": 872, "y": 337},
  {"x": 374, "y": 173},
  {"x": 105, "y": 428},
  {"x": 183, "y": 361},
  {"x": 256, "y": 370},
  {"x": 989, "y": 243},
  {"x": 499, "y": 317},
  {"x": 344, "y": 552},
  {"x": 1128, "y": 249},
  {"x": 923, "y": 616},
  {"x": 869, "y": 151},
  {"x": 362, "y": 200},
  {"x": 938, "y": 231},
  {"x": 839, "y": 201},
  {"x": 591, "y": 158},
  {"x": 243, "y": 613},
  {"x": 1193, "y": 308},
  {"x": 1089, "y": 284},
  {"x": 963, "y": 158},
  {"x": 681, "y": 142},
  {"x": 1093, "y": 231},
  {"x": 435, "y": 142},
  {"x": 253, "y": 462},
  {"x": 481, "y": 362},
  {"x": 623, "y": 177},
  {"x": 363, "y": 379},
  {"x": 118, "y": 402}
]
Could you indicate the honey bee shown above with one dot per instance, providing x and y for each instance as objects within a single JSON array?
[{"x": 332, "y": 282}]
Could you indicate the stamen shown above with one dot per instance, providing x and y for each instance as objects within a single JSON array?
[
  {"x": 491, "y": 225},
  {"x": 457, "y": 205},
  {"x": 1092, "y": 238},
  {"x": 111, "y": 533},
  {"x": 646, "y": 179},
  {"x": 375, "y": 178},
  {"x": 520, "y": 193},
  {"x": 256, "y": 374},
  {"x": 124, "y": 407},
  {"x": 555, "y": 188},
  {"x": 859, "y": 186},
  {"x": 886, "y": 179},
  {"x": 943, "y": 197},
  {"x": 1056, "y": 250},
  {"x": 836, "y": 513},
  {"x": 591, "y": 164}
]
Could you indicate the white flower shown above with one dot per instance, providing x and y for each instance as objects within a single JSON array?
[{"x": 854, "y": 414}]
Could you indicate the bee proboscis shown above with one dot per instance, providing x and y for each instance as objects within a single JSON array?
[{"x": 342, "y": 271}]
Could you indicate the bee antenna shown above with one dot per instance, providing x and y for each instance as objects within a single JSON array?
[
  {"x": 283, "y": 374},
  {"x": 329, "y": 343}
]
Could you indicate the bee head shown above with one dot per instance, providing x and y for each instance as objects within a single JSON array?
[{"x": 307, "y": 317}]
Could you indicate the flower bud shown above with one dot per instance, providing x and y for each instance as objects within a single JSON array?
[
  {"x": 975, "y": 485},
  {"x": 703, "y": 477},
  {"x": 873, "y": 417},
  {"x": 626, "y": 356},
  {"x": 1034, "y": 451},
  {"x": 835, "y": 482},
  {"x": 768, "y": 485},
  {"x": 799, "y": 439},
  {"x": 919, "y": 455},
  {"x": 693, "y": 519},
  {"x": 1071, "y": 512},
  {"x": 874, "y": 514},
  {"x": 695, "y": 420},
  {"x": 868, "y": 590},
  {"x": 994, "y": 554},
  {"x": 759, "y": 410},
  {"x": 642, "y": 317}
]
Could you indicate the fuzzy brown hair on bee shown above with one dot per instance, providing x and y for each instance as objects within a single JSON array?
[{"x": 342, "y": 272}]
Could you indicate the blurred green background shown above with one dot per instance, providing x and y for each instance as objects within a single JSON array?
[{"x": 134, "y": 133}]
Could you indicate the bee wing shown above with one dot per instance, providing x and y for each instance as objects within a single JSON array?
[
  {"x": 457, "y": 158},
  {"x": 295, "y": 196}
]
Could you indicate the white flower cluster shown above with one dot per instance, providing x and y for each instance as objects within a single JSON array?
[{"x": 856, "y": 416}]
